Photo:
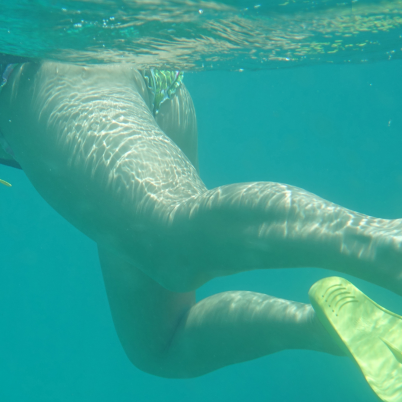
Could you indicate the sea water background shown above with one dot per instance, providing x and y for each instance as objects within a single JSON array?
[{"x": 333, "y": 130}]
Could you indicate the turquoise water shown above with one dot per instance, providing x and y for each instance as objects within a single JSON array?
[
  {"x": 204, "y": 35},
  {"x": 334, "y": 130}
]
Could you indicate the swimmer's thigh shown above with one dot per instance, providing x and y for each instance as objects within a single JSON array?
[{"x": 144, "y": 313}]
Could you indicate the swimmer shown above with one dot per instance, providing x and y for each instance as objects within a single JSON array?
[{"x": 114, "y": 151}]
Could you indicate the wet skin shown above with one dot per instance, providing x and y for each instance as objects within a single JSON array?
[{"x": 89, "y": 143}]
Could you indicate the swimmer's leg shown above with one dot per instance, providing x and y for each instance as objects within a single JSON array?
[
  {"x": 98, "y": 157},
  {"x": 264, "y": 225},
  {"x": 170, "y": 335}
]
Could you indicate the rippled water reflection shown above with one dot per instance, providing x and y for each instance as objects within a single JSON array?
[{"x": 196, "y": 35}]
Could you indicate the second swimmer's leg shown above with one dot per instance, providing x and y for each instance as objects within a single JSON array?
[{"x": 168, "y": 334}]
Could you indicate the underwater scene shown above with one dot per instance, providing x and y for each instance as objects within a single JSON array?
[{"x": 302, "y": 92}]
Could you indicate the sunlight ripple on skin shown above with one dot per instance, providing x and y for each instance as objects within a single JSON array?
[{"x": 90, "y": 144}]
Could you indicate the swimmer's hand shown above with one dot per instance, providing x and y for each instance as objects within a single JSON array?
[{"x": 6, "y": 183}]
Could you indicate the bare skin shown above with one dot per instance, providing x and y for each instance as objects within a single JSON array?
[{"x": 87, "y": 140}]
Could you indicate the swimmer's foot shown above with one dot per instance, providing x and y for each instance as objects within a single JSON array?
[{"x": 368, "y": 333}]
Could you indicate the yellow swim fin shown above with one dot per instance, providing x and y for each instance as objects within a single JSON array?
[
  {"x": 6, "y": 183},
  {"x": 369, "y": 333}
]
